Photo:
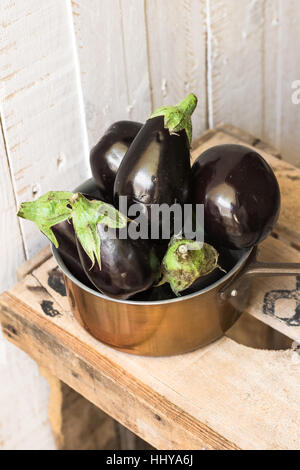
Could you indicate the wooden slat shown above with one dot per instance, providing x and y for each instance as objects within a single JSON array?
[
  {"x": 281, "y": 69},
  {"x": 235, "y": 68},
  {"x": 288, "y": 226},
  {"x": 10, "y": 233},
  {"x": 76, "y": 423},
  {"x": 42, "y": 113},
  {"x": 111, "y": 44},
  {"x": 33, "y": 263},
  {"x": 177, "y": 54}
]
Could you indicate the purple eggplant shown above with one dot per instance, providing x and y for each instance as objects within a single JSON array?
[
  {"x": 52, "y": 215},
  {"x": 65, "y": 235},
  {"x": 240, "y": 194},
  {"x": 190, "y": 265},
  {"x": 107, "y": 154},
  {"x": 116, "y": 264},
  {"x": 127, "y": 266},
  {"x": 156, "y": 168}
]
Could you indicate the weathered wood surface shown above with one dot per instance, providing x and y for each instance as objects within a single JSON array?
[
  {"x": 112, "y": 50},
  {"x": 76, "y": 423},
  {"x": 251, "y": 68},
  {"x": 125, "y": 71}
]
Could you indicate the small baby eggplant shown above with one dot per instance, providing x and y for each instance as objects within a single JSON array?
[
  {"x": 156, "y": 167},
  {"x": 65, "y": 235},
  {"x": 52, "y": 214},
  {"x": 240, "y": 194},
  {"x": 127, "y": 266},
  {"x": 117, "y": 265},
  {"x": 189, "y": 266},
  {"x": 107, "y": 154}
]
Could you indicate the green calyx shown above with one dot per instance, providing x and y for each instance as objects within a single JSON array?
[
  {"x": 56, "y": 206},
  {"x": 185, "y": 261},
  {"x": 48, "y": 210},
  {"x": 86, "y": 215},
  {"x": 177, "y": 118}
]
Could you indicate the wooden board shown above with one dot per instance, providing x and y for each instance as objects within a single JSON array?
[
  {"x": 41, "y": 105},
  {"x": 112, "y": 50},
  {"x": 251, "y": 69},
  {"x": 177, "y": 54},
  {"x": 223, "y": 396}
]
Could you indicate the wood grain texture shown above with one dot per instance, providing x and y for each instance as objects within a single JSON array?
[
  {"x": 281, "y": 69},
  {"x": 76, "y": 423},
  {"x": 112, "y": 49},
  {"x": 252, "y": 66},
  {"x": 236, "y": 71},
  {"x": 177, "y": 54},
  {"x": 10, "y": 233},
  {"x": 41, "y": 110},
  {"x": 42, "y": 146}
]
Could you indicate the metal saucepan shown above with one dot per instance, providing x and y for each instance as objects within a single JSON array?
[{"x": 174, "y": 326}]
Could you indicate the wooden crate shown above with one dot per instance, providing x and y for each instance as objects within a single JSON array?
[{"x": 223, "y": 396}]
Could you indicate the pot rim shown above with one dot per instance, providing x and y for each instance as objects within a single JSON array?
[{"x": 223, "y": 279}]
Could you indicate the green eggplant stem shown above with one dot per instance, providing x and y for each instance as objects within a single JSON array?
[
  {"x": 47, "y": 211},
  {"x": 188, "y": 104},
  {"x": 56, "y": 206},
  {"x": 177, "y": 118},
  {"x": 185, "y": 261}
]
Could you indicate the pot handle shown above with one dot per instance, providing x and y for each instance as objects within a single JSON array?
[{"x": 255, "y": 268}]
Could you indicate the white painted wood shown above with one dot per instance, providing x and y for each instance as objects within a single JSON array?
[
  {"x": 11, "y": 245},
  {"x": 177, "y": 54},
  {"x": 41, "y": 111},
  {"x": 24, "y": 396},
  {"x": 236, "y": 39},
  {"x": 136, "y": 59},
  {"x": 281, "y": 121},
  {"x": 43, "y": 145},
  {"x": 253, "y": 62},
  {"x": 111, "y": 40}
]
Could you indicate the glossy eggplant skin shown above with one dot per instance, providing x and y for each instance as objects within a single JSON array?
[
  {"x": 65, "y": 235},
  {"x": 106, "y": 156},
  {"x": 127, "y": 266},
  {"x": 240, "y": 194},
  {"x": 156, "y": 168}
]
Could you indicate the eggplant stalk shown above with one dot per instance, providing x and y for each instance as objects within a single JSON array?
[
  {"x": 47, "y": 211},
  {"x": 186, "y": 261},
  {"x": 178, "y": 118}
]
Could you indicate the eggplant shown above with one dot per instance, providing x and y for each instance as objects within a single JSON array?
[
  {"x": 189, "y": 266},
  {"x": 156, "y": 168},
  {"x": 240, "y": 194},
  {"x": 54, "y": 207},
  {"x": 107, "y": 154},
  {"x": 127, "y": 266},
  {"x": 117, "y": 265}
]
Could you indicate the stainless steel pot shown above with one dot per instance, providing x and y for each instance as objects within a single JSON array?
[{"x": 172, "y": 326}]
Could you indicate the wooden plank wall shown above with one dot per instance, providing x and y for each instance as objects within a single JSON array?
[
  {"x": 43, "y": 145},
  {"x": 69, "y": 68},
  {"x": 239, "y": 57}
]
